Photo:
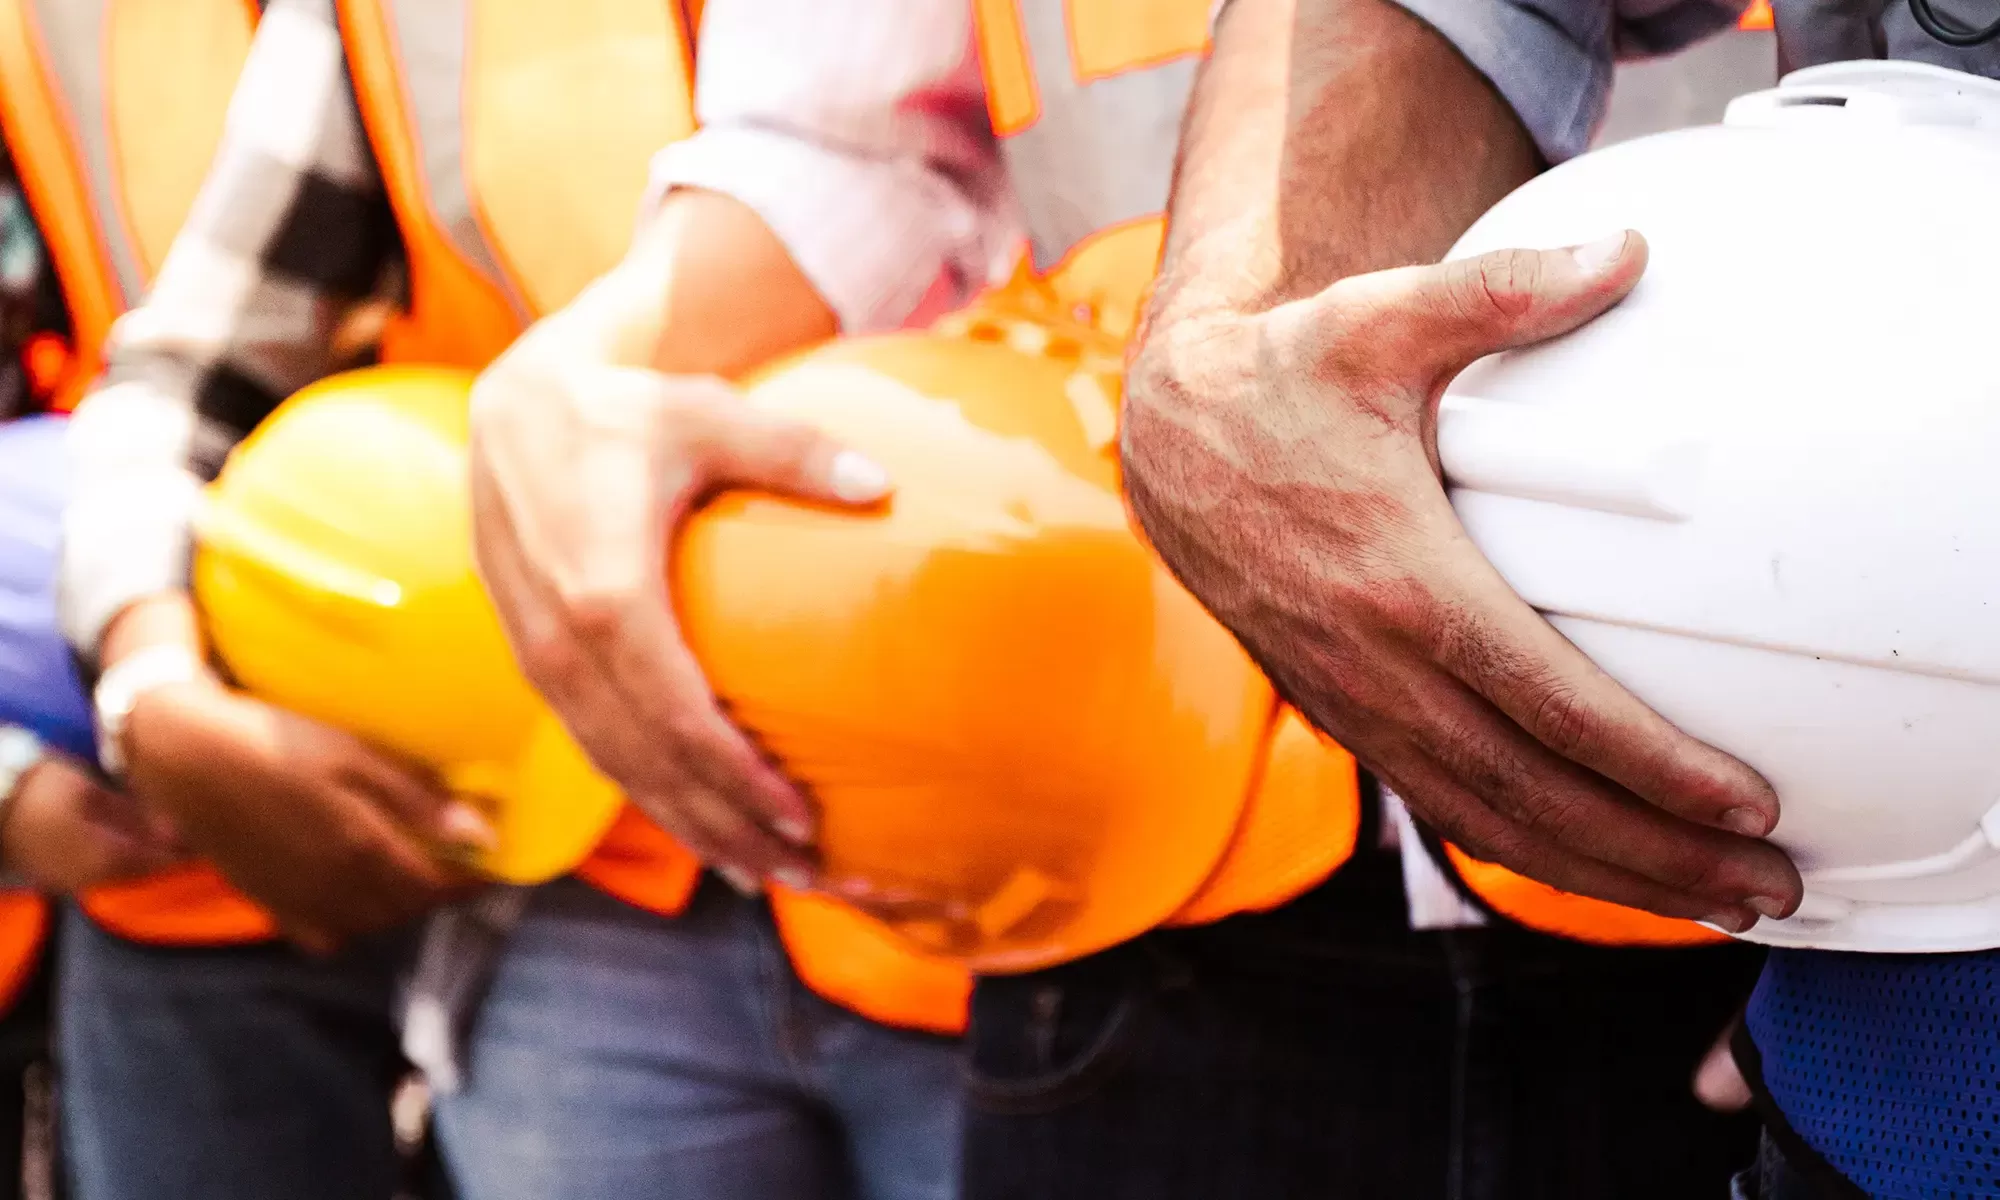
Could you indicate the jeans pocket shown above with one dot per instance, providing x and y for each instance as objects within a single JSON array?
[{"x": 1042, "y": 1041}]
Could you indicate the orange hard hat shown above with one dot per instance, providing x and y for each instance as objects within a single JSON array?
[{"x": 1026, "y": 739}]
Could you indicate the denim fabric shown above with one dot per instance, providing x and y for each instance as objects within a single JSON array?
[
  {"x": 1324, "y": 1049},
  {"x": 238, "y": 1073},
  {"x": 1770, "y": 1178},
  {"x": 619, "y": 1055},
  {"x": 25, "y": 1047}
]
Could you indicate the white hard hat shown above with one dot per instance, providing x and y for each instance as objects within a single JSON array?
[{"x": 1764, "y": 492}]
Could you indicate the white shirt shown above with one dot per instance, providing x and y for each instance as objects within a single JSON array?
[{"x": 857, "y": 130}]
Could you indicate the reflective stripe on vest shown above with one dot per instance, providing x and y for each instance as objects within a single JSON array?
[
  {"x": 1087, "y": 97},
  {"x": 112, "y": 110},
  {"x": 515, "y": 137}
]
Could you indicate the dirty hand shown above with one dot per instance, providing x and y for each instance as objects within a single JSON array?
[
  {"x": 333, "y": 836},
  {"x": 1284, "y": 464}
]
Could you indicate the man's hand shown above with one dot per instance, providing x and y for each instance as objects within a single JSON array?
[
  {"x": 64, "y": 832},
  {"x": 337, "y": 839},
  {"x": 1285, "y": 465},
  {"x": 581, "y": 471}
]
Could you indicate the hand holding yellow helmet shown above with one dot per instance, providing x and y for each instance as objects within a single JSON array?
[{"x": 335, "y": 572}]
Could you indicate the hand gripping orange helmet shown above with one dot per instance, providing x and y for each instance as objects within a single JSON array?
[{"x": 1027, "y": 742}]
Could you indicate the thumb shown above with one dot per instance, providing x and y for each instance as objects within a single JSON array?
[
  {"x": 1448, "y": 315},
  {"x": 747, "y": 447}
]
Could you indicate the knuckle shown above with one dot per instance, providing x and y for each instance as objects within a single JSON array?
[
  {"x": 1505, "y": 282},
  {"x": 1560, "y": 720},
  {"x": 1695, "y": 873},
  {"x": 549, "y": 659},
  {"x": 1553, "y": 811},
  {"x": 791, "y": 441},
  {"x": 1371, "y": 600},
  {"x": 1493, "y": 843}
]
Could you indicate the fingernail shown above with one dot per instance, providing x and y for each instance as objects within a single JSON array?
[
  {"x": 462, "y": 825},
  {"x": 1731, "y": 921},
  {"x": 743, "y": 881},
  {"x": 1768, "y": 906},
  {"x": 793, "y": 878},
  {"x": 857, "y": 479},
  {"x": 794, "y": 830},
  {"x": 1746, "y": 821},
  {"x": 1592, "y": 257}
]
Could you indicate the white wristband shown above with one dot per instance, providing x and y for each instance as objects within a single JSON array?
[
  {"x": 120, "y": 688},
  {"x": 20, "y": 750}
]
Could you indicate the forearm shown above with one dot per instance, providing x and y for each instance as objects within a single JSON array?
[
  {"x": 1328, "y": 138},
  {"x": 165, "y": 618},
  {"x": 706, "y": 289}
]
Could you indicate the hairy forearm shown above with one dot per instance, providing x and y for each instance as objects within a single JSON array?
[
  {"x": 1328, "y": 138},
  {"x": 707, "y": 289}
]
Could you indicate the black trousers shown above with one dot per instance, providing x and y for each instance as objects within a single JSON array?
[
  {"x": 26, "y": 1058},
  {"x": 1325, "y": 1050}
]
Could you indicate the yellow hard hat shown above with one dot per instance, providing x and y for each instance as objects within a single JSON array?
[
  {"x": 1026, "y": 739},
  {"x": 334, "y": 571}
]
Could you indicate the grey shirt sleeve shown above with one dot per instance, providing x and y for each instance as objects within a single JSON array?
[{"x": 1552, "y": 59}]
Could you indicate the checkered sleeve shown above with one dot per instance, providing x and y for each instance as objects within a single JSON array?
[{"x": 290, "y": 233}]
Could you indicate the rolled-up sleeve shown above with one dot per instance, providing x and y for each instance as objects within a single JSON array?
[
  {"x": 1552, "y": 59},
  {"x": 858, "y": 132}
]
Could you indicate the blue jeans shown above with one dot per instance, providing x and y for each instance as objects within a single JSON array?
[
  {"x": 619, "y": 1055},
  {"x": 237, "y": 1073}
]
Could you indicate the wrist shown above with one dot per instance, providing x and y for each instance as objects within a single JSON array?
[
  {"x": 165, "y": 618},
  {"x": 1186, "y": 358},
  {"x": 22, "y": 757},
  {"x": 128, "y": 682}
]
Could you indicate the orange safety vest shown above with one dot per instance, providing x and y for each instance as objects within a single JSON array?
[
  {"x": 1087, "y": 98},
  {"x": 112, "y": 110},
  {"x": 515, "y": 159}
]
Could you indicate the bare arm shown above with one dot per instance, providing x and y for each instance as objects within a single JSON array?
[
  {"x": 707, "y": 289},
  {"x": 1308, "y": 158},
  {"x": 1279, "y": 445}
]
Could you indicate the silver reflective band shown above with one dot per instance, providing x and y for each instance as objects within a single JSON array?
[{"x": 121, "y": 687}]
